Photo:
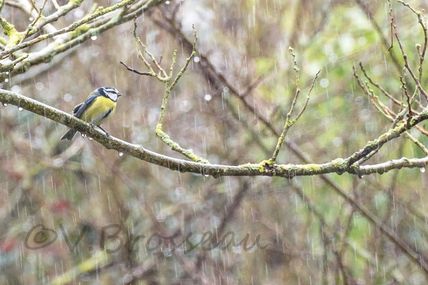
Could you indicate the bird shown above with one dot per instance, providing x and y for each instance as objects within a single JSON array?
[{"x": 99, "y": 105}]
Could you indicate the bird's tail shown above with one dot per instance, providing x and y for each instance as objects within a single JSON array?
[{"x": 69, "y": 135}]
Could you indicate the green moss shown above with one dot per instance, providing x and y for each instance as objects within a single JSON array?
[
  {"x": 7, "y": 27},
  {"x": 76, "y": 2},
  {"x": 176, "y": 147},
  {"x": 158, "y": 129},
  {"x": 340, "y": 165},
  {"x": 10, "y": 31},
  {"x": 338, "y": 162},
  {"x": 313, "y": 168},
  {"x": 267, "y": 162},
  {"x": 266, "y": 165},
  {"x": 80, "y": 30}
]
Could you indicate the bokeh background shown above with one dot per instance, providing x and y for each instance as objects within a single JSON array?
[{"x": 313, "y": 235}]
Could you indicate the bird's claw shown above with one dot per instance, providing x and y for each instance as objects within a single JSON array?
[{"x": 105, "y": 132}]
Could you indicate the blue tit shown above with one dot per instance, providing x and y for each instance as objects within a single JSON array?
[{"x": 99, "y": 105}]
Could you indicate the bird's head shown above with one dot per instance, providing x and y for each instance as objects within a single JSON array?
[{"x": 109, "y": 92}]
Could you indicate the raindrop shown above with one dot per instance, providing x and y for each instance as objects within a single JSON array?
[
  {"x": 237, "y": 249},
  {"x": 347, "y": 43},
  {"x": 6, "y": 80},
  {"x": 78, "y": 13},
  {"x": 68, "y": 97},
  {"x": 208, "y": 97},
  {"x": 178, "y": 193},
  {"x": 95, "y": 52},
  {"x": 196, "y": 59},
  {"x": 127, "y": 278},
  {"x": 185, "y": 106},
  {"x": 167, "y": 2},
  {"x": 94, "y": 37},
  {"x": 5, "y": 104},
  {"x": 15, "y": 88},
  {"x": 20, "y": 109},
  {"x": 40, "y": 86},
  {"x": 362, "y": 41},
  {"x": 337, "y": 141},
  {"x": 91, "y": 139},
  {"x": 120, "y": 154},
  {"x": 225, "y": 91},
  {"x": 324, "y": 83},
  {"x": 139, "y": 271},
  {"x": 31, "y": 19},
  {"x": 167, "y": 252},
  {"x": 422, "y": 169},
  {"x": 160, "y": 218}
]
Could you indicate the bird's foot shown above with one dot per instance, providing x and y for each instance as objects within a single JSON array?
[{"x": 106, "y": 133}]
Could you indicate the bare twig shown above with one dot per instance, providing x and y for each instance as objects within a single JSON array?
[
  {"x": 289, "y": 122},
  {"x": 386, "y": 93},
  {"x": 30, "y": 27},
  {"x": 136, "y": 71},
  {"x": 421, "y": 50},
  {"x": 407, "y": 66},
  {"x": 170, "y": 81}
]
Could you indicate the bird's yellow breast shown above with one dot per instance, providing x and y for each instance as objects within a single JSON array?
[{"x": 98, "y": 109}]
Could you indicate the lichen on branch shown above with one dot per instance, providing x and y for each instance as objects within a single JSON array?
[{"x": 338, "y": 165}]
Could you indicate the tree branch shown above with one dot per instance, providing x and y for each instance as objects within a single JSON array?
[
  {"x": 251, "y": 169},
  {"x": 75, "y": 34}
]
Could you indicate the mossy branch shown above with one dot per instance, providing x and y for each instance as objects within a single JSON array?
[
  {"x": 338, "y": 166},
  {"x": 98, "y": 13},
  {"x": 14, "y": 37},
  {"x": 75, "y": 37}
]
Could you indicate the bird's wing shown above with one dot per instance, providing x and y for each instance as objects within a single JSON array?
[
  {"x": 81, "y": 108},
  {"x": 76, "y": 108}
]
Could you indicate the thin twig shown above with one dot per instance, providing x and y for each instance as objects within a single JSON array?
[
  {"x": 289, "y": 121},
  {"x": 169, "y": 82},
  {"x": 386, "y": 93},
  {"x": 136, "y": 71},
  {"x": 421, "y": 50},
  {"x": 33, "y": 23}
]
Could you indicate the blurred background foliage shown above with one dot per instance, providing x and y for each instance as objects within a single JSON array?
[{"x": 314, "y": 236}]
